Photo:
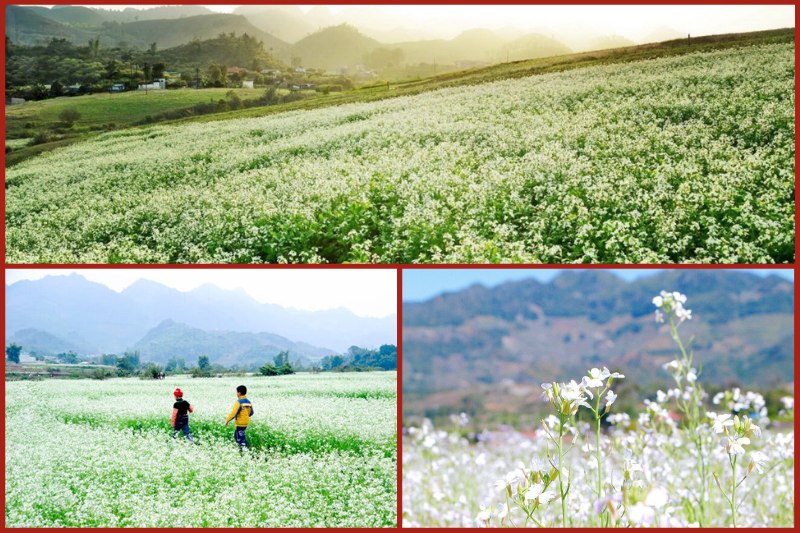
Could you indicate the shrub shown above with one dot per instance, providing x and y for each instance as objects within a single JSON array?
[{"x": 69, "y": 116}]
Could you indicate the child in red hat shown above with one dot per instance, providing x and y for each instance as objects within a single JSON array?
[{"x": 180, "y": 416}]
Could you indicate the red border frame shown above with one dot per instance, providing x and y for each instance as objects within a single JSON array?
[{"x": 399, "y": 268}]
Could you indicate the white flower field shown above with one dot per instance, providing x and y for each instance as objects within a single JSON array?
[
  {"x": 323, "y": 453},
  {"x": 686, "y": 460},
  {"x": 678, "y": 159}
]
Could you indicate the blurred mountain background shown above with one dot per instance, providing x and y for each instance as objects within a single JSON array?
[{"x": 486, "y": 351}]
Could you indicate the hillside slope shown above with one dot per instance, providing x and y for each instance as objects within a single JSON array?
[
  {"x": 29, "y": 26},
  {"x": 577, "y": 166},
  {"x": 170, "y": 339}
]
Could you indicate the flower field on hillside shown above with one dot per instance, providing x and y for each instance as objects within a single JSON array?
[
  {"x": 679, "y": 159},
  {"x": 100, "y": 454}
]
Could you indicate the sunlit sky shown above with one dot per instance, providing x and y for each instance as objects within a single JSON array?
[
  {"x": 371, "y": 292},
  {"x": 423, "y": 284},
  {"x": 633, "y": 22}
]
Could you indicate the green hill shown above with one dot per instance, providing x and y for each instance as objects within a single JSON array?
[
  {"x": 169, "y": 33},
  {"x": 28, "y": 26},
  {"x": 242, "y": 51},
  {"x": 75, "y": 15},
  {"x": 333, "y": 48},
  {"x": 170, "y": 339},
  {"x": 283, "y": 24},
  {"x": 38, "y": 342}
]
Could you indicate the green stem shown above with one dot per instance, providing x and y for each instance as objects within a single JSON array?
[
  {"x": 597, "y": 451},
  {"x": 692, "y": 418},
  {"x": 561, "y": 468},
  {"x": 733, "y": 489}
]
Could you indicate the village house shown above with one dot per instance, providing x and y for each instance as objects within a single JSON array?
[{"x": 155, "y": 85}]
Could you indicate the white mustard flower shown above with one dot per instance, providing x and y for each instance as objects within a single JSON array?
[{"x": 610, "y": 398}]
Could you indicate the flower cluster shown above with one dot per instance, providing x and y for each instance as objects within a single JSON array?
[
  {"x": 671, "y": 304},
  {"x": 736, "y": 401},
  {"x": 567, "y": 397},
  {"x": 737, "y": 431}
]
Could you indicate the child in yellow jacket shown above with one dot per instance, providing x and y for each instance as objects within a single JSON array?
[{"x": 242, "y": 411}]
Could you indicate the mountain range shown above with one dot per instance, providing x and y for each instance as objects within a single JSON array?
[
  {"x": 61, "y": 313},
  {"x": 494, "y": 346},
  {"x": 317, "y": 38}
]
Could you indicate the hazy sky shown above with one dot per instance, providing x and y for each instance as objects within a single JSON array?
[
  {"x": 422, "y": 284},
  {"x": 370, "y": 292},
  {"x": 629, "y": 21}
]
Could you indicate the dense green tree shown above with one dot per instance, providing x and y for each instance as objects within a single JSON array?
[
  {"x": 268, "y": 369},
  {"x": 128, "y": 364},
  {"x": 158, "y": 69},
  {"x": 13, "y": 351},
  {"x": 153, "y": 371},
  {"x": 175, "y": 364},
  {"x": 70, "y": 358}
]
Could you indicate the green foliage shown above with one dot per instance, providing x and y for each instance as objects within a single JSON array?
[
  {"x": 202, "y": 362},
  {"x": 175, "y": 365},
  {"x": 69, "y": 358},
  {"x": 280, "y": 367},
  {"x": 153, "y": 371},
  {"x": 234, "y": 101},
  {"x": 217, "y": 75},
  {"x": 13, "y": 351},
  {"x": 268, "y": 369},
  {"x": 356, "y": 358},
  {"x": 69, "y": 116},
  {"x": 101, "y": 373},
  {"x": 128, "y": 364},
  {"x": 29, "y": 67}
]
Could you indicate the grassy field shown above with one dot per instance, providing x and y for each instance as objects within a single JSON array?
[
  {"x": 31, "y": 371},
  {"x": 99, "y": 112},
  {"x": 103, "y": 112}
]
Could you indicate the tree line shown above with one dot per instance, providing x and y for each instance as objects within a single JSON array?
[{"x": 130, "y": 363}]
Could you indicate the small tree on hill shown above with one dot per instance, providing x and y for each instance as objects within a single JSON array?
[
  {"x": 12, "y": 351},
  {"x": 69, "y": 116}
]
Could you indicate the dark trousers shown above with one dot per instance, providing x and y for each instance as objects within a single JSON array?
[
  {"x": 240, "y": 437},
  {"x": 182, "y": 424}
]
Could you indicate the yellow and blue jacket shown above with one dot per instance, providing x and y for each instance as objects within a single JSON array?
[{"x": 242, "y": 411}]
